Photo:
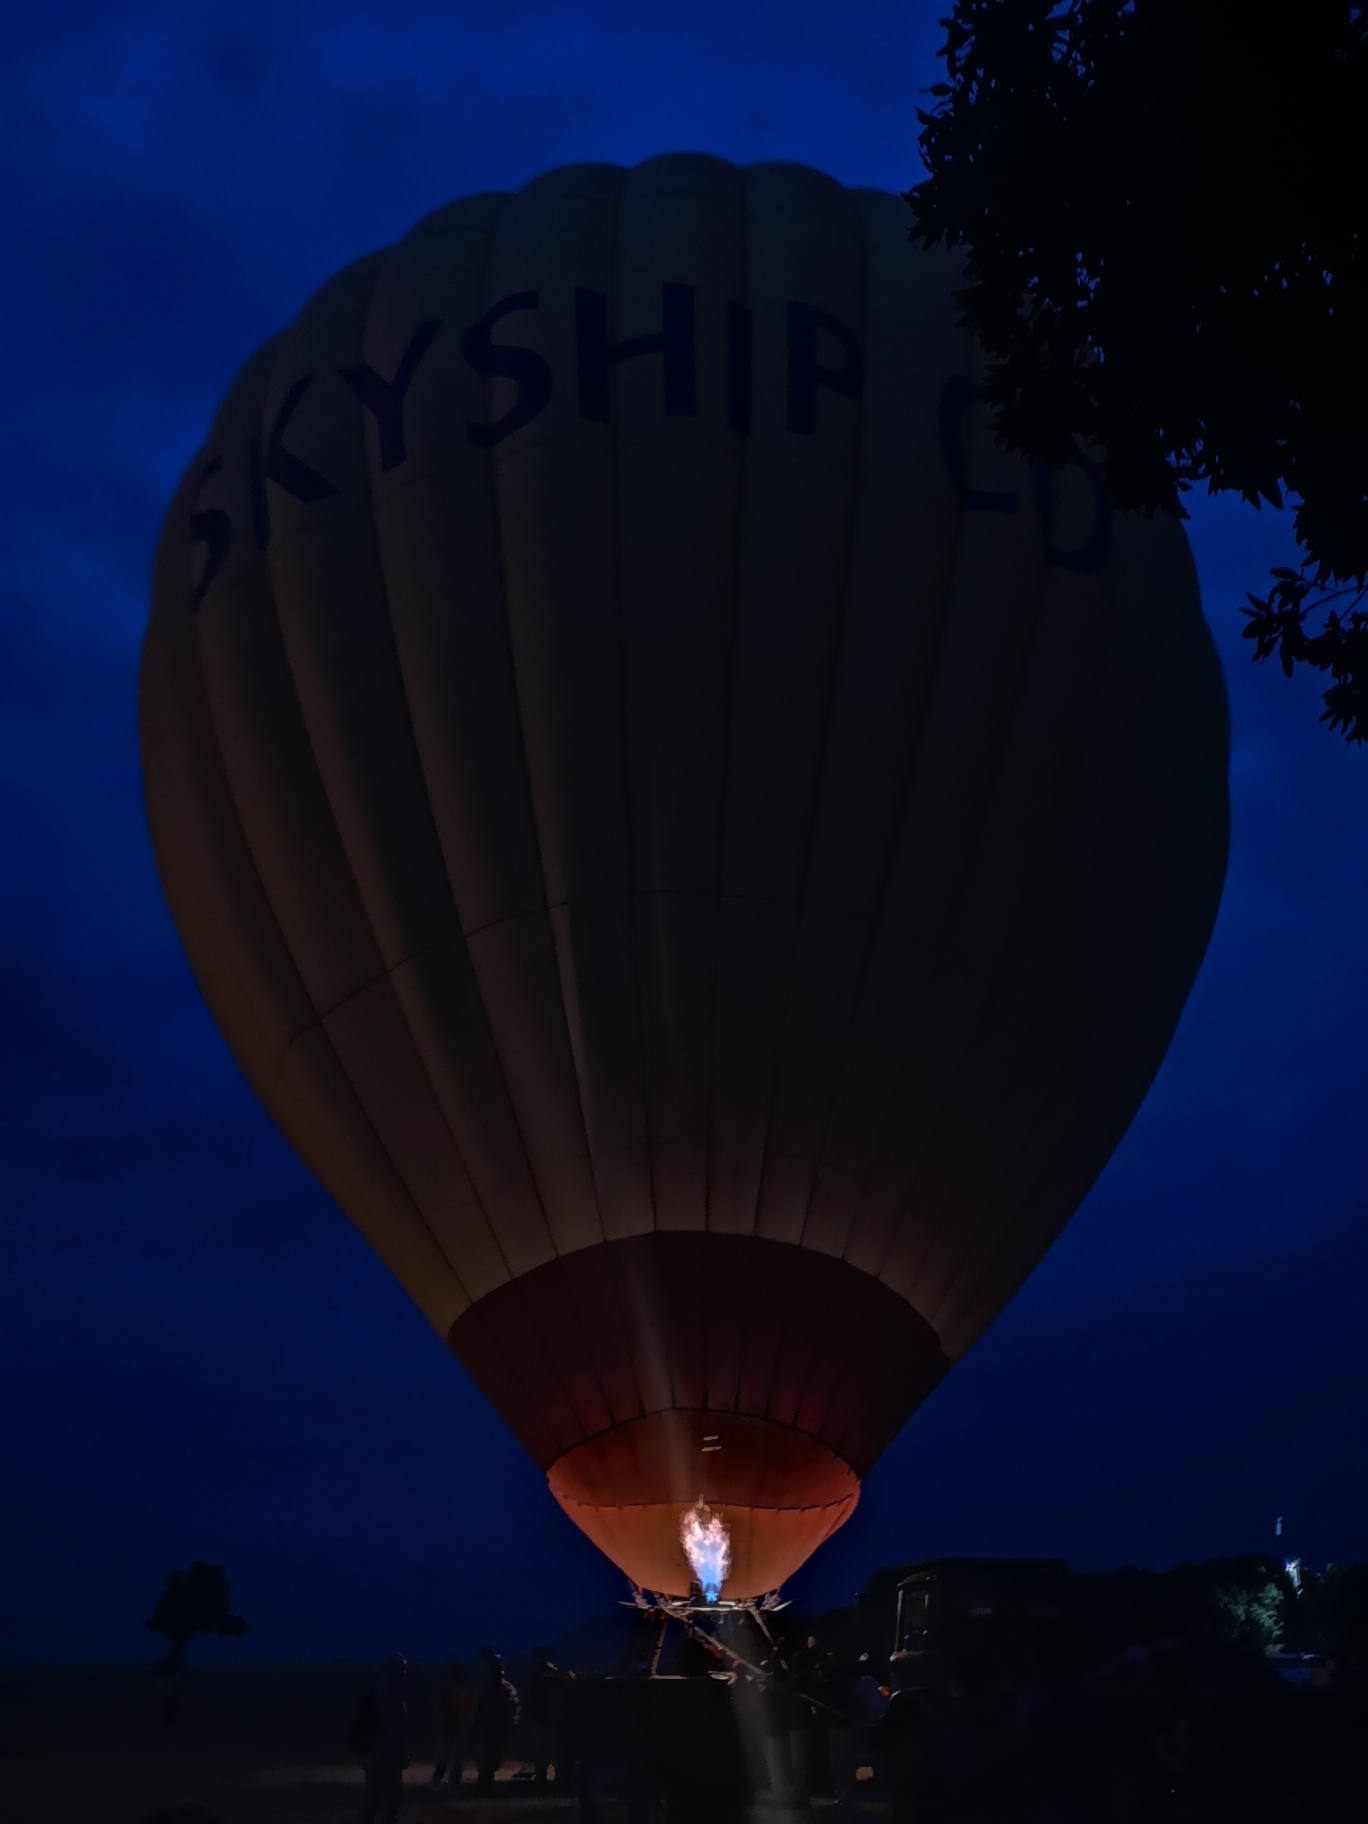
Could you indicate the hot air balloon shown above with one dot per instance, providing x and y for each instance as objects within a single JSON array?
[{"x": 701, "y": 852}]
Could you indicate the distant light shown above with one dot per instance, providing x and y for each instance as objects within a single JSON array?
[{"x": 707, "y": 1546}]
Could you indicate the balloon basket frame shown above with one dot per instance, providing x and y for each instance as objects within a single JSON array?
[
  {"x": 655, "y": 1611},
  {"x": 686, "y": 1608}
]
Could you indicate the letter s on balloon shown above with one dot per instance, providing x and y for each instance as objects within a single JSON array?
[{"x": 524, "y": 366}]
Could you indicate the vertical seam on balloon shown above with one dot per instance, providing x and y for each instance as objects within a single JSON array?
[
  {"x": 268, "y": 586},
  {"x": 218, "y": 760},
  {"x": 875, "y": 919},
  {"x": 538, "y": 831},
  {"x": 414, "y": 1206},
  {"x": 539, "y": 842},
  {"x": 992, "y": 995},
  {"x": 1081, "y": 747},
  {"x": 833, "y": 693},
  {"x": 949, "y": 615},
  {"x": 724, "y": 792},
  {"x": 970, "y": 1034},
  {"x": 460, "y": 939},
  {"x": 416, "y": 1209},
  {"x": 1147, "y": 742},
  {"x": 815, "y": 808},
  {"x": 347, "y": 860},
  {"x": 318, "y": 1021},
  {"x": 872, "y": 925},
  {"x": 932, "y": 686},
  {"x": 633, "y": 906},
  {"x": 814, "y": 812},
  {"x": 589, "y": 1148},
  {"x": 634, "y": 897},
  {"x": 387, "y": 621},
  {"x": 786, "y": 1339}
]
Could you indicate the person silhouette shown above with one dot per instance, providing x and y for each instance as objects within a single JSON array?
[
  {"x": 379, "y": 1733},
  {"x": 496, "y": 1717},
  {"x": 454, "y": 1707}
]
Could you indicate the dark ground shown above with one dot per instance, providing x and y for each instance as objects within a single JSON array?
[{"x": 260, "y": 1745}]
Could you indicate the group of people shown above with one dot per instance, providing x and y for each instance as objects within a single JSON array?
[
  {"x": 475, "y": 1723},
  {"x": 472, "y": 1722},
  {"x": 1176, "y": 1731},
  {"x": 822, "y": 1716},
  {"x": 694, "y": 1732},
  {"x": 811, "y": 1713}
]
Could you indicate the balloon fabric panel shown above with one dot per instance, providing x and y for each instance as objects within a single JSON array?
[
  {"x": 438, "y": 536},
  {"x": 231, "y": 928},
  {"x": 680, "y": 495},
  {"x": 555, "y": 484}
]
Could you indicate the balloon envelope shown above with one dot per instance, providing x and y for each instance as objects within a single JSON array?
[{"x": 701, "y": 852}]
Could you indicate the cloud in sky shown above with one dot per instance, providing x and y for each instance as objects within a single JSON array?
[{"x": 211, "y": 1362}]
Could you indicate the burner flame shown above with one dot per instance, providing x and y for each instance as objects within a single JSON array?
[{"x": 707, "y": 1546}]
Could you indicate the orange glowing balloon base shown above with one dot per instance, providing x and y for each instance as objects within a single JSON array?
[{"x": 779, "y": 1492}]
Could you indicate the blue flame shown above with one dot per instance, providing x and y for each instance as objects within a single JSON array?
[{"x": 707, "y": 1546}]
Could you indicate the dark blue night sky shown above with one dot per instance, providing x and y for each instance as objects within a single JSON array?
[{"x": 200, "y": 1358}]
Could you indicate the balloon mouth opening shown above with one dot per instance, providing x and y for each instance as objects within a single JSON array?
[{"x": 706, "y": 1539}]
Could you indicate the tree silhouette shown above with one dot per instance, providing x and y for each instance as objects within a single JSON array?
[
  {"x": 194, "y": 1602},
  {"x": 1165, "y": 218}
]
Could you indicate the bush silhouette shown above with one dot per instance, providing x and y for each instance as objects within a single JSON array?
[{"x": 193, "y": 1602}]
